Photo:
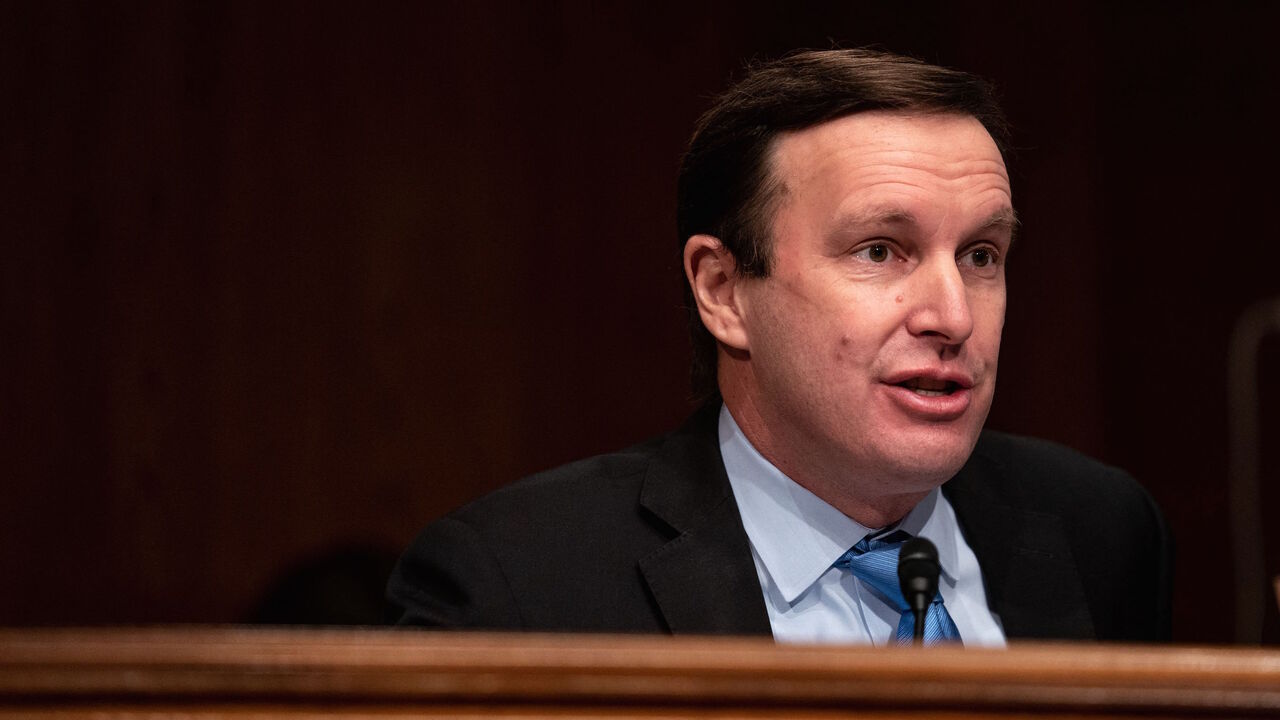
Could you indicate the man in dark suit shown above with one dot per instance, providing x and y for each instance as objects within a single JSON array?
[{"x": 844, "y": 218}]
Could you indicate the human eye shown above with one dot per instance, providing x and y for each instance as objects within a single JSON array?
[
  {"x": 983, "y": 260},
  {"x": 876, "y": 251}
]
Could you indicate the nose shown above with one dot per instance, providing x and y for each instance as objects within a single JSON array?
[{"x": 940, "y": 307}]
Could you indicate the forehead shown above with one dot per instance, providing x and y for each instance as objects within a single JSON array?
[{"x": 939, "y": 162}]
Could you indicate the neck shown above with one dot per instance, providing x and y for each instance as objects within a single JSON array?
[{"x": 869, "y": 496}]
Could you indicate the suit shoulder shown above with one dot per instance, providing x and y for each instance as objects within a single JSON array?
[
  {"x": 1033, "y": 455},
  {"x": 556, "y": 550},
  {"x": 1042, "y": 472},
  {"x": 580, "y": 484}
]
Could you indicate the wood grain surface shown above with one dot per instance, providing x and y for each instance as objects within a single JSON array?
[{"x": 242, "y": 672}]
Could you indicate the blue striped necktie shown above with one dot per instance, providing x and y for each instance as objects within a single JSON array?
[{"x": 875, "y": 562}]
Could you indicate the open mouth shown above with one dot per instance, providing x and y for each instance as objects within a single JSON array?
[{"x": 929, "y": 387}]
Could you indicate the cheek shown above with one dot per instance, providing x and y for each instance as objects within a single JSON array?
[
  {"x": 988, "y": 317},
  {"x": 856, "y": 343},
  {"x": 871, "y": 324},
  {"x": 843, "y": 348}
]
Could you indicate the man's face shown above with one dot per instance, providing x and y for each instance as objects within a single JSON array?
[{"x": 873, "y": 342}]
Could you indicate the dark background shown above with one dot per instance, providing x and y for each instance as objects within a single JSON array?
[{"x": 285, "y": 281}]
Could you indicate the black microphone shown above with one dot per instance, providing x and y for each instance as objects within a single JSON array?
[{"x": 918, "y": 571}]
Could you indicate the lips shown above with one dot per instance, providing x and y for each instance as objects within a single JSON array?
[
  {"x": 929, "y": 387},
  {"x": 930, "y": 394},
  {"x": 931, "y": 381}
]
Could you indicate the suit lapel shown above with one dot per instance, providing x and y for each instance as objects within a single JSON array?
[
  {"x": 704, "y": 580},
  {"x": 1029, "y": 574}
]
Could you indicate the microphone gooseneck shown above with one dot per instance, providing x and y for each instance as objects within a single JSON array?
[{"x": 918, "y": 571}]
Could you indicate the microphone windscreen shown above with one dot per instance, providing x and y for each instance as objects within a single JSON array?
[{"x": 918, "y": 569}]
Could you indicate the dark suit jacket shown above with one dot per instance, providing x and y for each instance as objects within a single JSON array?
[{"x": 650, "y": 540}]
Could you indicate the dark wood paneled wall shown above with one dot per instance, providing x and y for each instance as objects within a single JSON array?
[{"x": 283, "y": 279}]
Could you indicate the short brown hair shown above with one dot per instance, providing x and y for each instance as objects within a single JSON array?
[{"x": 726, "y": 188}]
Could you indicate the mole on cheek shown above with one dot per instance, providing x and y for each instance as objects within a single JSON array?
[{"x": 898, "y": 299}]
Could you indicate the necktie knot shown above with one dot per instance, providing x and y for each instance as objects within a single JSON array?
[
  {"x": 888, "y": 541},
  {"x": 874, "y": 561}
]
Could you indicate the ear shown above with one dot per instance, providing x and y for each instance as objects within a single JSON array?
[{"x": 713, "y": 276}]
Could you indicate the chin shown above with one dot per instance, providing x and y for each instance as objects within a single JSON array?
[{"x": 931, "y": 459}]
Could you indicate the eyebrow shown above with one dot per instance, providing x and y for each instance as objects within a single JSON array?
[
  {"x": 878, "y": 215},
  {"x": 1003, "y": 219}
]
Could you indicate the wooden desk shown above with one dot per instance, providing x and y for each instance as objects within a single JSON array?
[{"x": 268, "y": 673}]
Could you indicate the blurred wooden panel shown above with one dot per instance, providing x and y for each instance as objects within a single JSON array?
[{"x": 272, "y": 673}]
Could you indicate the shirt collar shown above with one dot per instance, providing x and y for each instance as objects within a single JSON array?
[{"x": 796, "y": 534}]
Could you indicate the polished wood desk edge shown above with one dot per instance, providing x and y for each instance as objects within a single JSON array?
[{"x": 374, "y": 666}]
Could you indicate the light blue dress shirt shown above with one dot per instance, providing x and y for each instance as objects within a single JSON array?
[{"x": 796, "y": 537}]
